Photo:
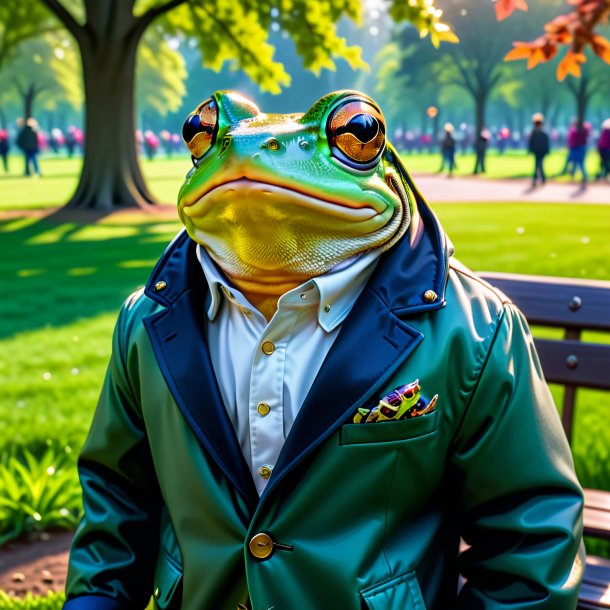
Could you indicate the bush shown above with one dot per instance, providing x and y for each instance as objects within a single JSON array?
[{"x": 37, "y": 493}]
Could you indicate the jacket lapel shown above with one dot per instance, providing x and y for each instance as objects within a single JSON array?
[
  {"x": 374, "y": 340},
  {"x": 371, "y": 345},
  {"x": 177, "y": 335}
]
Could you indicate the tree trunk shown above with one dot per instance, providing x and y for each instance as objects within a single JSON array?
[
  {"x": 3, "y": 124},
  {"x": 582, "y": 99},
  {"x": 111, "y": 176},
  {"x": 29, "y": 95}
]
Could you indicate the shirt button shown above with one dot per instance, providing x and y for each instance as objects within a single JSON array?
[
  {"x": 263, "y": 408},
  {"x": 265, "y": 471},
  {"x": 268, "y": 347}
]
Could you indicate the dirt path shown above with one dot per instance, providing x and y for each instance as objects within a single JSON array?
[
  {"x": 37, "y": 566},
  {"x": 438, "y": 189}
]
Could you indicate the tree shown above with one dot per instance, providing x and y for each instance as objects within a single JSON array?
[
  {"x": 43, "y": 70},
  {"x": 108, "y": 34},
  {"x": 592, "y": 82},
  {"x": 21, "y": 21},
  {"x": 475, "y": 64}
]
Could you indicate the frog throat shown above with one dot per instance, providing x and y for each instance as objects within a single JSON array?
[{"x": 274, "y": 217}]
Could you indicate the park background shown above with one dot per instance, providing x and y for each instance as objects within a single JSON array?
[{"x": 78, "y": 239}]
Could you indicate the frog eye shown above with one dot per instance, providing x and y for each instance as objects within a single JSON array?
[
  {"x": 356, "y": 132},
  {"x": 199, "y": 129}
]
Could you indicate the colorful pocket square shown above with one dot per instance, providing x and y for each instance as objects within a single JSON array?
[{"x": 404, "y": 402}]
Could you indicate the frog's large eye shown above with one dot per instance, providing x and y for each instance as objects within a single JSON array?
[
  {"x": 199, "y": 129},
  {"x": 356, "y": 133}
]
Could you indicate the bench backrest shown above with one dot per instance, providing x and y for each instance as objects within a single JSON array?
[{"x": 575, "y": 306}]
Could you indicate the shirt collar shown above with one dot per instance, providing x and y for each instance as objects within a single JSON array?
[{"x": 338, "y": 289}]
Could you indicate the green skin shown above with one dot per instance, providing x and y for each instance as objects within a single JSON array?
[{"x": 274, "y": 216}]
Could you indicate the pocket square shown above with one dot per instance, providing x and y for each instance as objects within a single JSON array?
[{"x": 404, "y": 402}]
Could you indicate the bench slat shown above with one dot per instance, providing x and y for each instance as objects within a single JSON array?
[
  {"x": 594, "y": 498},
  {"x": 558, "y": 302},
  {"x": 591, "y": 363}
]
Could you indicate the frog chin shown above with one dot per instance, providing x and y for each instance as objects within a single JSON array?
[{"x": 275, "y": 235}]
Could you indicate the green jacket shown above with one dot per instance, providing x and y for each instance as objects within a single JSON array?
[{"x": 355, "y": 516}]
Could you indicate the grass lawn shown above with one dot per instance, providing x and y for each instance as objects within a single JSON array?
[
  {"x": 68, "y": 281},
  {"x": 165, "y": 176}
]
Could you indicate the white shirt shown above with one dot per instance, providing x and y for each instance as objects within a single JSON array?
[{"x": 265, "y": 370}]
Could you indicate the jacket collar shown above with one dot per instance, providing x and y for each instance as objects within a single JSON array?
[{"x": 404, "y": 280}]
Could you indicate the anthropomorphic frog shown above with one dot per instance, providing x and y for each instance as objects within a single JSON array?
[{"x": 234, "y": 461}]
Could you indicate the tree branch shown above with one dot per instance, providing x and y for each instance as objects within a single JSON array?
[
  {"x": 156, "y": 11},
  {"x": 60, "y": 11}
]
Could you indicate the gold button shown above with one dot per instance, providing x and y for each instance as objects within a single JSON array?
[
  {"x": 430, "y": 296},
  {"x": 265, "y": 471},
  {"x": 157, "y": 593},
  {"x": 268, "y": 347},
  {"x": 246, "y": 312},
  {"x": 261, "y": 546},
  {"x": 159, "y": 286},
  {"x": 327, "y": 308},
  {"x": 263, "y": 408}
]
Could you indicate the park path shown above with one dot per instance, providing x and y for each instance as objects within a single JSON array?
[{"x": 440, "y": 189}]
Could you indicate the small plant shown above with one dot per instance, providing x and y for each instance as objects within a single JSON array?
[
  {"x": 37, "y": 493},
  {"x": 51, "y": 601}
]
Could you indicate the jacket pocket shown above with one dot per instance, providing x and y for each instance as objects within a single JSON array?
[
  {"x": 388, "y": 431},
  {"x": 168, "y": 583},
  {"x": 398, "y": 593}
]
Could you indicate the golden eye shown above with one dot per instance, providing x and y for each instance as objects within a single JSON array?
[
  {"x": 273, "y": 144},
  {"x": 356, "y": 133},
  {"x": 199, "y": 129}
]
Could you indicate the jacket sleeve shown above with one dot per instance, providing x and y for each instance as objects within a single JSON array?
[
  {"x": 113, "y": 553},
  {"x": 522, "y": 503}
]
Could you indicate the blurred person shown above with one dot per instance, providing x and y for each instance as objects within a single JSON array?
[
  {"x": 481, "y": 149},
  {"x": 151, "y": 144},
  {"x": 70, "y": 141},
  {"x": 5, "y": 146},
  {"x": 56, "y": 140},
  {"x": 503, "y": 138},
  {"x": 603, "y": 147},
  {"x": 448, "y": 150},
  {"x": 539, "y": 146},
  {"x": 577, "y": 137},
  {"x": 27, "y": 141},
  {"x": 166, "y": 139}
]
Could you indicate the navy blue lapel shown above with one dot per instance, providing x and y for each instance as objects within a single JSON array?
[
  {"x": 371, "y": 345},
  {"x": 178, "y": 339}
]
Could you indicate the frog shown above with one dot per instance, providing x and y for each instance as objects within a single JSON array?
[{"x": 277, "y": 199}]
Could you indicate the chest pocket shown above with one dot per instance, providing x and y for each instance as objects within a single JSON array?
[
  {"x": 398, "y": 593},
  {"x": 388, "y": 431}
]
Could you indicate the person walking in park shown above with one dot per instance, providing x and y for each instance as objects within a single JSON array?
[
  {"x": 578, "y": 135},
  {"x": 539, "y": 146},
  {"x": 311, "y": 400},
  {"x": 448, "y": 150},
  {"x": 5, "y": 146},
  {"x": 603, "y": 147},
  {"x": 481, "y": 150},
  {"x": 27, "y": 141}
]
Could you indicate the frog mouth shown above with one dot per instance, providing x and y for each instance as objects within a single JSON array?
[{"x": 248, "y": 190}]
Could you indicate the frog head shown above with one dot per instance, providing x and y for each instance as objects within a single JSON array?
[{"x": 277, "y": 199}]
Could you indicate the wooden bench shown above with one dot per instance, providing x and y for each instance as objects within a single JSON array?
[{"x": 574, "y": 306}]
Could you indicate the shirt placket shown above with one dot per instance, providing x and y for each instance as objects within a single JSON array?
[{"x": 266, "y": 408}]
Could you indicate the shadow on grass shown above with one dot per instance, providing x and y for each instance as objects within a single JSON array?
[{"x": 73, "y": 265}]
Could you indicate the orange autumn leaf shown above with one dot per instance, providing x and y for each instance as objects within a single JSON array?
[
  {"x": 505, "y": 8},
  {"x": 519, "y": 52},
  {"x": 570, "y": 64},
  {"x": 536, "y": 57}
]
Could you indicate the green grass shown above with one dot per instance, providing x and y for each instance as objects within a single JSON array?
[
  {"x": 164, "y": 176},
  {"x": 512, "y": 164},
  {"x": 68, "y": 281}
]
